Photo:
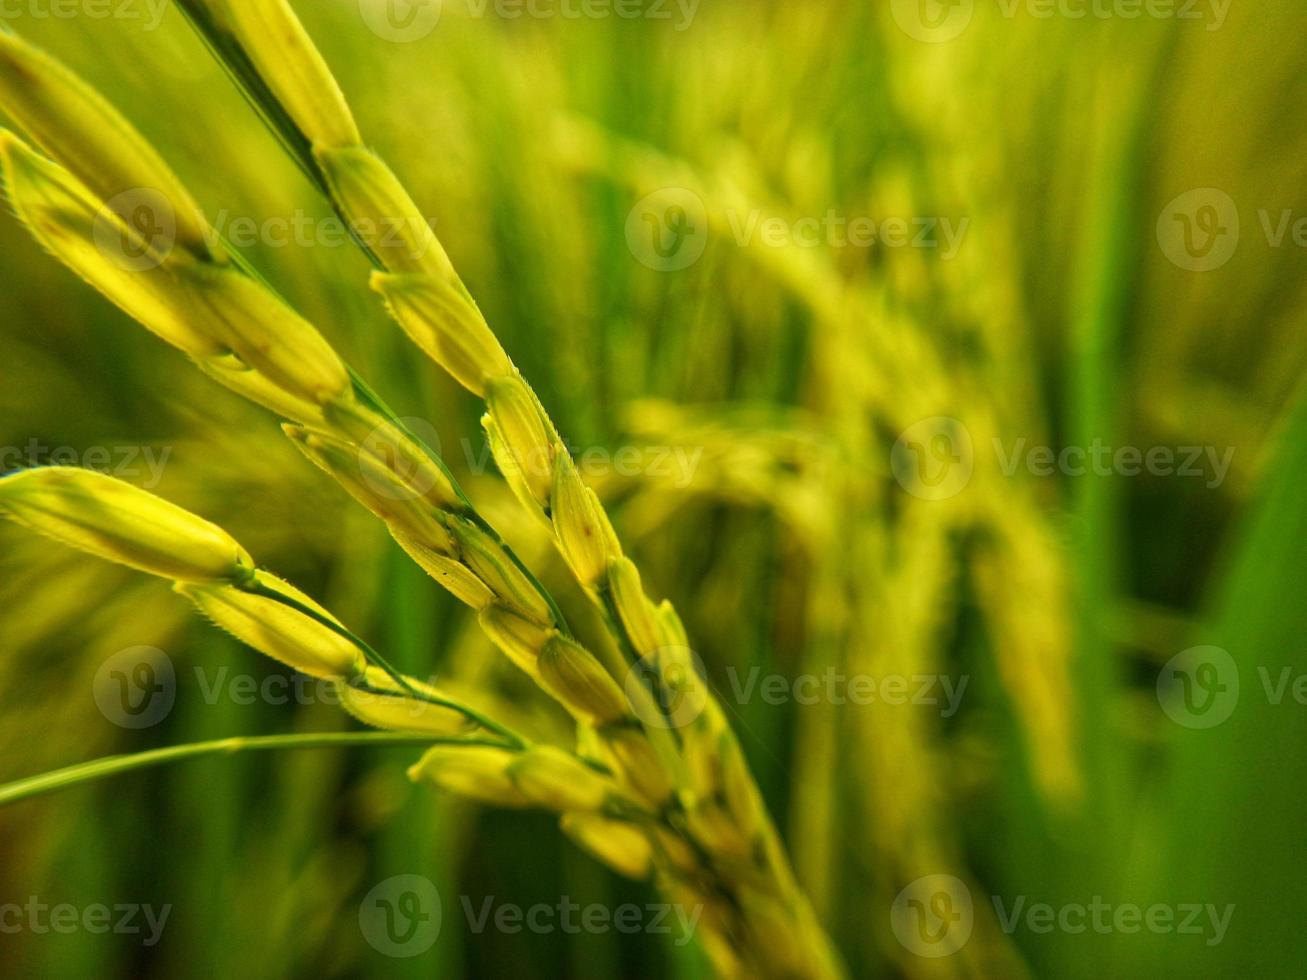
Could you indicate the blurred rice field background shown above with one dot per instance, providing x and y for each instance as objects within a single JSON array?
[{"x": 811, "y": 444}]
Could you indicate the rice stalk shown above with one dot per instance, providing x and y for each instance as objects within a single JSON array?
[
  {"x": 710, "y": 838},
  {"x": 434, "y": 307}
]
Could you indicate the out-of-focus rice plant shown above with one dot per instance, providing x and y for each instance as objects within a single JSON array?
[{"x": 821, "y": 434}]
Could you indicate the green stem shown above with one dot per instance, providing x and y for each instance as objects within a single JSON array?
[
  {"x": 517, "y": 741},
  {"x": 86, "y": 772},
  {"x": 560, "y": 621},
  {"x": 228, "y": 53},
  {"x": 370, "y": 398},
  {"x": 254, "y": 586}
]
